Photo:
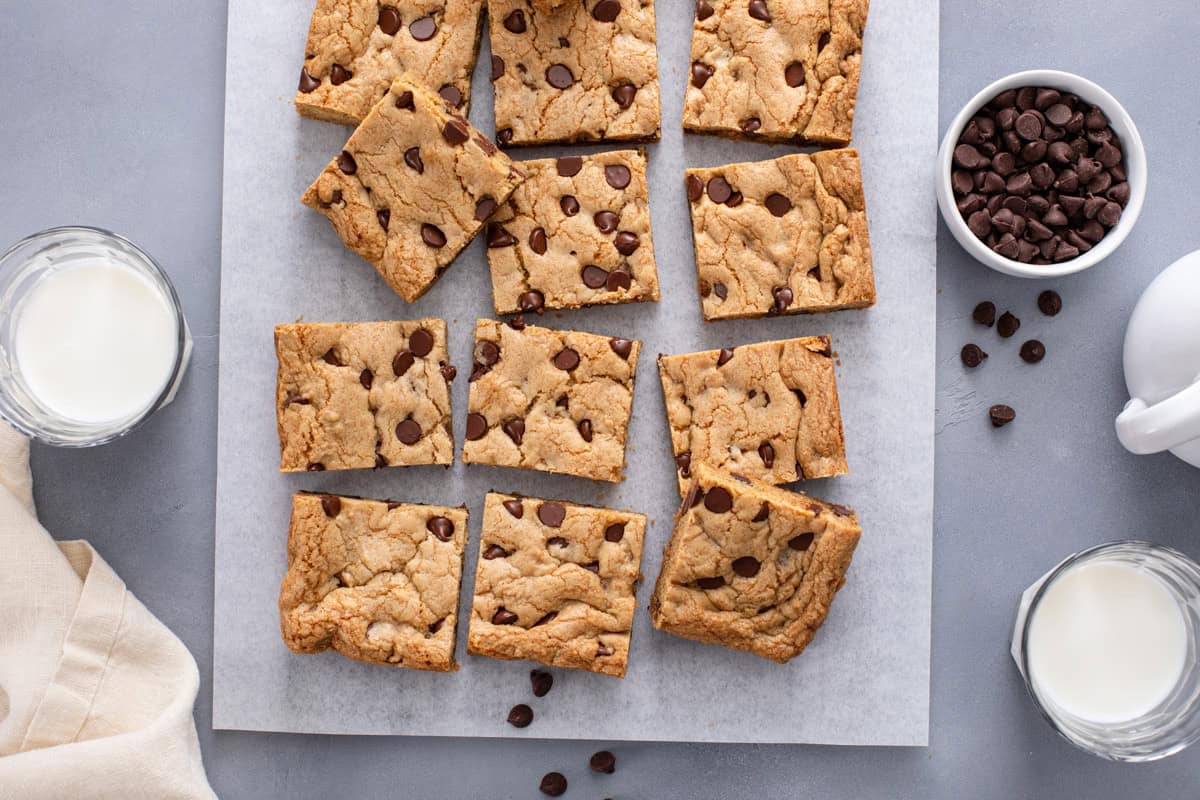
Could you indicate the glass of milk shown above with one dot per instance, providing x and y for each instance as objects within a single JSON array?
[
  {"x": 92, "y": 337},
  {"x": 1108, "y": 644}
]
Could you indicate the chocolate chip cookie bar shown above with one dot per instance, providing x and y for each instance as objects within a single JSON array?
[
  {"x": 751, "y": 566},
  {"x": 556, "y": 583},
  {"x": 376, "y": 581},
  {"x": 787, "y": 236},
  {"x": 768, "y": 411},
  {"x": 585, "y": 72},
  {"x": 364, "y": 394},
  {"x": 356, "y": 48},
  {"x": 414, "y": 185},
  {"x": 575, "y": 233},
  {"x": 779, "y": 70},
  {"x": 549, "y": 400}
]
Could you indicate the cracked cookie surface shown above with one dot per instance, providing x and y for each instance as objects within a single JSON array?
[
  {"x": 751, "y": 566},
  {"x": 413, "y": 186},
  {"x": 586, "y": 72},
  {"x": 577, "y": 232},
  {"x": 785, "y": 236},
  {"x": 775, "y": 69},
  {"x": 356, "y": 48},
  {"x": 768, "y": 411},
  {"x": 363, "y": 394},
  {"x": 556, "y": 583},
  {"x": 376, "y": 581}
]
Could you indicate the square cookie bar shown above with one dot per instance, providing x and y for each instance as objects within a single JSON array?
[
  {"x": 376, "y": 581},
  {"x": 363, "y": 394},
  {"x": 586, "y": 72},
  {"x": 556, "y": 583},
  {"x": 356, "y": 48},
  {"x": 751, "y": 566},
  {"x": 575, "y": 233},
  {"x": 555, "y": 401},
  {"x": 787, "y": 236},
  {"x": 414, "y": 185},
  {"x": 781, "y": 70},
  {"x": 768, "y": 411}
]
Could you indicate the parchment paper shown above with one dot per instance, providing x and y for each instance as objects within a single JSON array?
[{"x": 864, "y": 680}]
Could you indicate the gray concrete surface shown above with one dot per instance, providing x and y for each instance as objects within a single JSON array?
[{"x": 112, "y": 115}]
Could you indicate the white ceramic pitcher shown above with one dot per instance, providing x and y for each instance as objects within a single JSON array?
[{"x": 1162, "y": 366}]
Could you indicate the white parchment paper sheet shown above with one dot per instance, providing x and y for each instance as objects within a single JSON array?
[{"x": 864, "y": 680}]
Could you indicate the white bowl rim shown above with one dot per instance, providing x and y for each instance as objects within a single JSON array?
[{"x": 1131, "y": 145}]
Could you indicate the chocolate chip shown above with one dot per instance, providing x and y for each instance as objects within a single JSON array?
[
  {"x": 515, "y": 507},
  {"x": 618, "y": 279},
  {"x": 566, "y": 359},
  {"x": 767, "y": 453},
  {"x": 346, "y": 163},
  {"x": 515, "y": 428},
  {"x": 552, "y": 514},
  {"x": 720, "y": 291},
  {"x": 520, "y": 716},
  {"x": 331, "y": 505},
  {"x": 594, "y": 566},
  {"x": 783, "y": 298},
  {"x": 801, "y": 542},
  {"x": 503, "y": 617},
  {"x": 758, "y": 10},
  {"x": 533, "y": 300},
  {"x": 972, "y": 355},
  {"x": 553, "y": 784},
  {"x": 497, "y": 236},
  {"x": 701, "y": 72},
  {"x": 451, "y": 95},
  {"x": 568, "y": 166},
  {"x": 401, "y": 363},
  {"x": 559, "y": 76},
  {"x": 515, "y": 22},
  {"x": 569, "y": 205},
  {"x": 622, "y": 347},
  {"x": 437, "y": 626},
  {"x": 541, "y": 682},
  {"x": 614, "y": 532},
  {"x": 718, "y": 500},
  {"x": 504, "y": 135},
  {"x": 537, "y": 241},
  {"x": 420, "y": 342},
  {"x": 617, "y": 175},
  {"x": 1001, "y": 415},
  {"x": 624, "y": 94},
  {"x": 489, "y": 352},
  {"x": 404, "y": 100},
  {"x": 296, "y": 399},
  {"x": 495, "y": 551},
  {"x": 449, "y": 372},
  {"x": 626, "y": 243},
  {"x": 794, "y": 75},
  {"x": 603, "y": 761},
  {"x": 606, "y": 10},
  {"x": 423, "y": 29},
  {"x": 484, "y": 209},
  {"x": 307, "y": 82},
  {"x": 1033, "y": 351},
  {"x": 1049, "y": 302},
  {"x": 366, "y": 378},
  {"x": 1007, "y": 325},
  {"x": 711, "y": 583},
  {"x": 556, "y": 541},
  {"x": 545, "y": 618},
  {"x": 764, "y": 511},
  {"x": 497, "y": 67},
  {"x": 441, "y": 527},
  {"x": 694, "y": 496},
  {"x": 408, "y": 431},
  {"x": 477, "y": 426},
  {"x": 734, "y": 200},
  {"x": 704, "y": 10},
  {"x": 432, "y": 235},
  {"x": 684, "y": 462},
  {"x": 456, "y": 131},
  {"x": 778, "y": 205},
  {"x": 719, "y": 189},
  {"x": 724, "y": 355},
  {"x": 695, "y": 187},
  {"x": 594, "y": 277},
  {"x": 746, "y": 566},
  {"x": 331, "y": 358},
  {"x": 606, "y": 221},
  {"x": 339, "y": 75},
  {"x": 585, "y": 429}
]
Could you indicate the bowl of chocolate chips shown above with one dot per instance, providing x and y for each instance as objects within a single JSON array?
[{"x": 1041, "y": 174}]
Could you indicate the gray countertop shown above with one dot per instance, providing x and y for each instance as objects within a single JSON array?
[{"x": 113, "y": 117}]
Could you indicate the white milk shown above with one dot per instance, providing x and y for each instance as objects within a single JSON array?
[
  {"x": 95, "y": 341},
  {"x": 1107, "y": 642}
]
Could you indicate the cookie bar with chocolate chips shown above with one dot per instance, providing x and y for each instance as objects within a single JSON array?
[
  {"x": 549, "y": 400},
  {"x": 556, "y": 583},
  {"x": 780, "y": 70},
  {"x": 413, "y": 186},
  {"x": 356, "y": 48},
  {"x": 376, "y": 581},
  {"x": 786, "y": 236},
  {"x": 768, "y": 411},
  {"x": 586, "y": 72},
  {"x": 751, "y": 566},
  {"x": 364, "y": 394},
  {"x": 576, "y": 233}
]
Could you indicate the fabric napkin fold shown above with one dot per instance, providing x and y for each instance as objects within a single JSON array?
[{"x": 96, "y": 694}]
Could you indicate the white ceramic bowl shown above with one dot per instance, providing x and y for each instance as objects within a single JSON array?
[{"x": 1131, "y": 147}]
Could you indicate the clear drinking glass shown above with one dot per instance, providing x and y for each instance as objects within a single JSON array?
[
  {"x": 21, "y": 268},
  {"x": 1175, "y": 722}
]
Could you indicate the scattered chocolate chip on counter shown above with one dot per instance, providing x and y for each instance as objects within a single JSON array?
[
  {"x": 1049, "y": 302},
  {"x": 1033, "y": 351},
  {"x": 1038, "y": 175},
  {"x": 603, "y": 761},
  {"x": 1007, "y": 325},
  {"x": 1001, "y": 415},
  {"x": 553, "y": 784},
  {"x": 541, "y": 680},
  {"x": 985, "y": 313},
  {"x": 520, "y": 716},
  {"x": 972, "y": 356}
]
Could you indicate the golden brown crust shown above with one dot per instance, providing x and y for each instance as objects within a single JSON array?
[
  {"x": 339, "y": 402},
  {"x": 756, "y": 575},
  {"x": 823, "y": 258},
  {"x": 375, "y": 581},
  {"x": 561, "y": 594},
  {"x": 727, "y": 407}
]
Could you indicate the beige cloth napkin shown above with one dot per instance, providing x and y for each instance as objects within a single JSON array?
[{"x": 96, "y": 694}]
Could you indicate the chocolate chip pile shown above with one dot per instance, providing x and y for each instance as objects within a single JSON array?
[{"x": 1039, "y": 175}]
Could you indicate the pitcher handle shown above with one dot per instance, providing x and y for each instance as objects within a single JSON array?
[{"x": 1165, "y": 425}]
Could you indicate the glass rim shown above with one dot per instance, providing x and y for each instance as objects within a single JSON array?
[{"x": 107, "y": 432}]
